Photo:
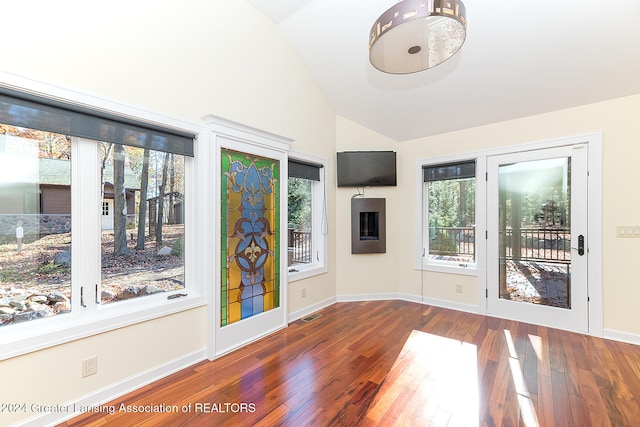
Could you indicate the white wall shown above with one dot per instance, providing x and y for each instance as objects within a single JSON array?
[
  {"x": 184, "y": 59},
  {"x": 374, "y": 275},
  {"x": 392, "y": 274}
]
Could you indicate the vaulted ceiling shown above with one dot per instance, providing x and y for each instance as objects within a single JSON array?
[{"x": 520, "y": 58}]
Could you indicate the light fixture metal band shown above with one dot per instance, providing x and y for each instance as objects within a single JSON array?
[{"x": 410, "y": 10}]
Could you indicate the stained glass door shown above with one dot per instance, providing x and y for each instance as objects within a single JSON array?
[
  {"x": 250, "y": 284},
  {"x": 250, "y": 236},
  {"x": 537, "y": 246}
]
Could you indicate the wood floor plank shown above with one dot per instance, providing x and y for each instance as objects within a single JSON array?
[
  {"x": 392, "y": 363},
  {"x": 545, "y": 403}
]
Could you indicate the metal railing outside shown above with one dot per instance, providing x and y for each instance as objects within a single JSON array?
[
  {"x": 299, "y": 246},
  {"x": 452, "y": 241},
  {"x": 539, "y": 244},
  {"x": 535, "y": 244}
]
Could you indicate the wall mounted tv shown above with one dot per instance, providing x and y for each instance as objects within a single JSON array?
[{"x": 366, "y": 168}]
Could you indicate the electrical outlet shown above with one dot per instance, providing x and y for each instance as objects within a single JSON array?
[
  {"x": 458, "y": 288},
  {"x": 303, "y": 293},
  {"x": 90, "y": 366}
]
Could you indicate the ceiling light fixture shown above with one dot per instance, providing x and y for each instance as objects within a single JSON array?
[{"x": 415, "y": 35}]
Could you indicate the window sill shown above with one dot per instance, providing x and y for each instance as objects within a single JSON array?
[
  {"x": 40, "y": 334},
  {"x": 305, "y": 273},
  {"x": 471, "y": 270}
]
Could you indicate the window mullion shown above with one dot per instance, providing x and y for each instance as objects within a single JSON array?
[
  {"x": 85, "y": 225},
  {"x": 425, "y": 231},
  {"x": 314, "y": 223}
]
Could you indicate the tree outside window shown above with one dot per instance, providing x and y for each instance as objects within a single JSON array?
[
  {"x": 450, "y": 214},
  {"x": 300, "y": 221},
  {"x": 306, "y": 217}
]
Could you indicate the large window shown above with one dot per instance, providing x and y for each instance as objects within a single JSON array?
[
  {"x": 92, "y": 213},
  {"x": 449, "y": 214},
  {"x": 306, "y": 217}
]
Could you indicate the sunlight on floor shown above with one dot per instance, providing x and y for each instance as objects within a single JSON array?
[
  {"x": 527, "y": 410},
  {"x": 434, "y": 381},
  {"x": 536, "y": 344}
]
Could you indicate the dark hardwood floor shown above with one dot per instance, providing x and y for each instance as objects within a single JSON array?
[{"x": 398, "y": 363}]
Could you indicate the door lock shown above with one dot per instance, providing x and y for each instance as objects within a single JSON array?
[{"x": 581, "y": 245}]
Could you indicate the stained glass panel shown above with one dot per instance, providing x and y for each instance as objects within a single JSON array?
[{"x": 250, "y": 236}]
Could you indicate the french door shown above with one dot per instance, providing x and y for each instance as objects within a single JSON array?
[{"x": 537, "y": 237}]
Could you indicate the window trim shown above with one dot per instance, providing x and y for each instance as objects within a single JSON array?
[
  {"x": 23, "y": 338},
  {"x": 319, "y": 237}
]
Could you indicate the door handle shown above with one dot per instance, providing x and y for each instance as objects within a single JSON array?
[{"x": 581, "y": 245}]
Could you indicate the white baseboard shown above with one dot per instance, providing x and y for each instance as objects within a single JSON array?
[
  {"x": 310, "y": 309},
  {"x": 368, "y": 297},
  {"x": 469, "y": 308},
  {"x": 612, "y": 334},
  {"x": 410, "y": 298},
  {"x": 113, "y": 391},
  {"x": 458, "y": 306}
]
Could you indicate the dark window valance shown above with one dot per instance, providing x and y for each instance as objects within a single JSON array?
[
  {"x": 303, "y": 169},
  {"x": 34, "y": 111},
  {"x": 448, "y": 171}
]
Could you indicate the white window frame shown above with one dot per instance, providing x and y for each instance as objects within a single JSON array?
[
  {"x": 318, "y": 220},
  {"x": 86, "y": 213},
  {"x": 422, "y": 261}
]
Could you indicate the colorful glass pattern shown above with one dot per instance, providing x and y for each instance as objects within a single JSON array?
[{"x": 250, "y": 236}]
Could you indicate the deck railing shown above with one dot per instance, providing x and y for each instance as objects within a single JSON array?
[
  {"x": 453, "y": 241},
  {"x": 299, "y": 246},
  {"x": 539, "y": 244},
  {"x": 535, "y": 244}
]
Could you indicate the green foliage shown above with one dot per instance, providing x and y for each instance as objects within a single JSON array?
[
  {"x": 299, "y": 204},
  {"x": 10, "y": 275},
  {"x": 50, "y": 269},
  {"x": 549, "y": 206},
  {"x": 443, "y": 244},
  {"x": 541, "y": 196},
  {"x": 452, "y": 203},
  {"x": 177, "y": 247}
]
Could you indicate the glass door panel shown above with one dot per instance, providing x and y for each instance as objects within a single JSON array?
[{"x": 535, "y": 232}]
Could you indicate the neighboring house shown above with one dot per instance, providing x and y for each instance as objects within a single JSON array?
[
  {"x": 108, "y": 204},
  {"x": 44, "y": 189},
  {"x": 176, "y": 199}
]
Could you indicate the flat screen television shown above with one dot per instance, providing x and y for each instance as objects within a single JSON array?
[{"x": 366, "y": 168}]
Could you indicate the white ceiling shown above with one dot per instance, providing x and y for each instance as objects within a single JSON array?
[{"x": 520, "y": 58}]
